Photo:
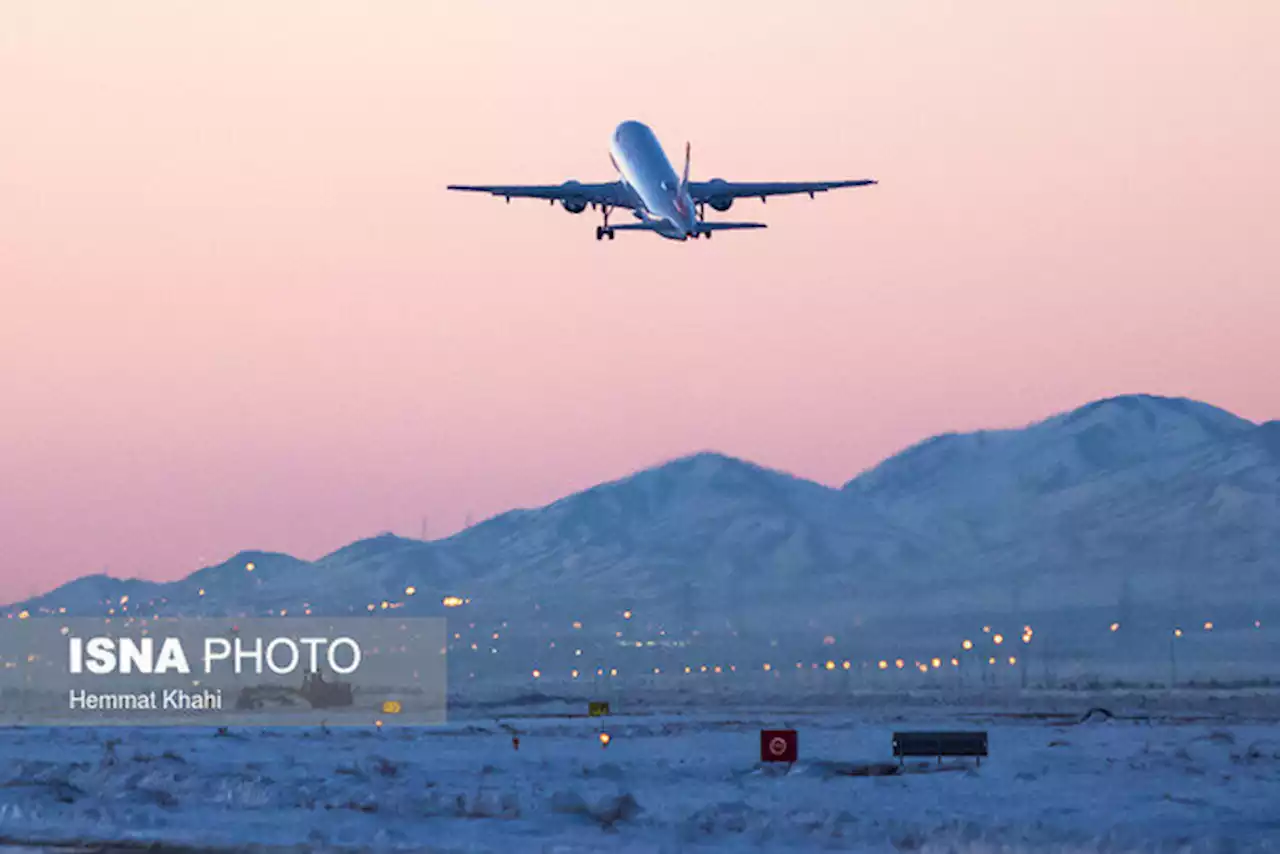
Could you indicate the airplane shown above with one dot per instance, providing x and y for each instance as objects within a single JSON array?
[{"x": 674, "y": 208}]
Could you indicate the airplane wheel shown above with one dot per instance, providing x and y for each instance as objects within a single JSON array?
[
  {"x": 611, "y": 234},
  {"x": 599, "y": 233}
]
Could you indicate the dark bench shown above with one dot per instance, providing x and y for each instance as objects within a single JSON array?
[{"x": 940, "y": 744}]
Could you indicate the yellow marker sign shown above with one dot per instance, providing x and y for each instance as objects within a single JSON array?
[
  {"x": 391, "y": 707},
  {"x": 597, "y": 710}
]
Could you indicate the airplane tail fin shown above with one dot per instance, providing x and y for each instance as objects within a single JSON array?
[{"x": 684, "y": 180}]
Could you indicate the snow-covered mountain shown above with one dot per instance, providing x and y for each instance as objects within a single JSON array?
[
  {"x": 1180, "y": 498},
  {"x": 1171, "y": 497}
]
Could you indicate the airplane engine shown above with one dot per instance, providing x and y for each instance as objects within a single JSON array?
[
  {"x": 720, "y": 203},
  {"x": 573, "y": 204}
]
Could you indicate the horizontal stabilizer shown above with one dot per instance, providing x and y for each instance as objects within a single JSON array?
[{"x": 704, "y": 227}]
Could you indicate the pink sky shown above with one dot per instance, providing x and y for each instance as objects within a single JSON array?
[{"x": 239, "y": 310}]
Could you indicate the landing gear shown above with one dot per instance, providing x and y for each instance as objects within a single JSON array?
[
  {"x": 603, "y": 231},
  {"x": 702, "y": 218}
]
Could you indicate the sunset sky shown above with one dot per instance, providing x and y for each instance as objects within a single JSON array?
[{"x": 239, "y": 310}]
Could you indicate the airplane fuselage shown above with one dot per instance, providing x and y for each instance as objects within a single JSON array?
[{"x": 640, "y": 160}]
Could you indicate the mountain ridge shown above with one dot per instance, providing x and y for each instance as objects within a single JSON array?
[{"x": 1100, "y": 488}]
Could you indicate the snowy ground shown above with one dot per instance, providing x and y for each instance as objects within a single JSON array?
[{"x": 1199, "y": 773}]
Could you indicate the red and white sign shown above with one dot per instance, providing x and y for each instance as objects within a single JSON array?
[{"x": 779, "y": 745}]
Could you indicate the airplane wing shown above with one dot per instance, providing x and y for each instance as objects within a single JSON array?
[
  {"x": 717, "y": 191},
  {"x": 572, "y": 193}
]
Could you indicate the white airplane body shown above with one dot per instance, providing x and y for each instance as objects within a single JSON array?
[{"x": 663, "y": 203}]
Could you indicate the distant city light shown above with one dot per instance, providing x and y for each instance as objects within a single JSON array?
[
  {"x": 495, "y": 635},
  {"x": 124, "y": 599},
  {"x": 986, "y": 629},
  {"x": 1177, "y": 633},
  {"x": 1257, "y": 624},
  {"x": 924, "y": 668},
  {"x": 688, "y": 669},
  {"x": 968, "y": 644},
  {"x": 991, "y": 660},
  {"x": 605, "y": 738},
  {"x": 999, "y": 639},
  {"x": 537, "y": 674},
  {"x": 410, "y": 590},
  {"x": 767, "y": 666},
  {"x": 577, "y": 652},
  {"x": 574, "y": 673},
  {"x": 703, "y": 668},
  {"x": 1115, "y": 627},
  {"x": 201, "y": 593},
  {"x": 385, "y": 604},
  {"x": 626, "y": 615},
  {"x": 1012, "y": 660},
  {"x": 577, "y": 624},
  {"x": 829, "y": 640},
  {"x": 937, "y": 662},
  {"x": 884, "y": 665},
  {"x": 1208, "y": 626},
  {"x": 899, "y": 664},
  {"x": 831, "y": 665},
  {"x": 846, "y": 665},
  {"x": 448, "y": 601},
  {"x": 955, "y": 662},
  {"x": 613, "y": 671},
  {"x": 717, "y": 668},
  {"x": 22, "y": 615},
  {"x": 249, "y": 567},
  {"x": 657, "y": 670}
]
